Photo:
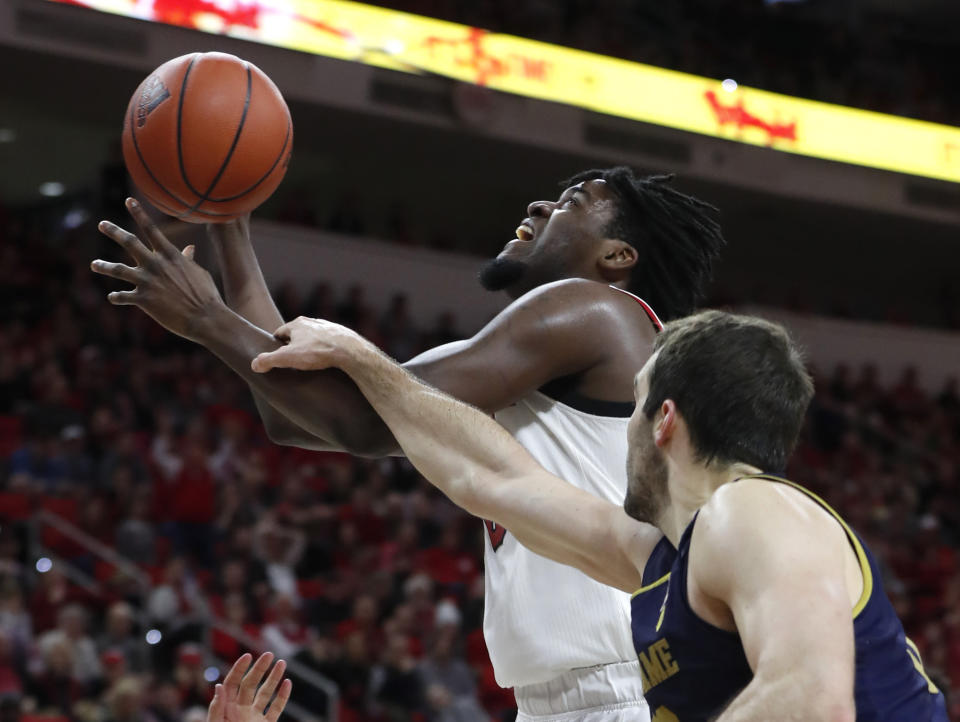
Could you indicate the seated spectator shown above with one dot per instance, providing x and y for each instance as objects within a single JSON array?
[
  {"x": 15, "y": 621},
  {"x": 396, "y": 689},
  {"x": 227, "y": 645},
  {"x": 115, "y": 668},
  {"x": 285, "y": 633},
  {"x": 136, "y": 536},
  {"x": 321, "y": 655},
  {"x": 55, "y": 688},
  {"x": 192, "y": 686},
  {"x": 71, "y": 631},
  {"x": 444, "y": 669},
  {"x": 279, "y": 548},
  {"x": 120, "y": 635},
  {"x": 125, "y": 702},
  {"x": 11, "y": 670}
]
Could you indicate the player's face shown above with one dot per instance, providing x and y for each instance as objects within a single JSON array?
[
  {"x": 647, "y": 491},
  {"x": 558, "y": 239}
]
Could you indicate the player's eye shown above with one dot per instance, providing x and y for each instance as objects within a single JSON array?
[{"x": 571, "y": 202}]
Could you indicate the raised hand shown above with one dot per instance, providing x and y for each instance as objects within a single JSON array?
[
  {"x": 170, "y": 287},
  {"x": 310, "y": 344},
  {"x": 237, "y": 699}
]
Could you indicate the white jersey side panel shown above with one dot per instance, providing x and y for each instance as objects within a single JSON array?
[{"x": 542, "y": 618}]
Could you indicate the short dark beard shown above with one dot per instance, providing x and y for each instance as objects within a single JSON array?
[
  {"x": 501, "y": 273},
  {"x": 647, "y": 499}
]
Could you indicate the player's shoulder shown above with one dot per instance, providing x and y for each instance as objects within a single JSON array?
[
  {"x": 757, "y": 511},
  {"x": 750, "y": 502},
  {"x": 589, "y": 297}
]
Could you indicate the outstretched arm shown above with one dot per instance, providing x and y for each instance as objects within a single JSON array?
[
  {"x": 246, "y": 293},
  {"x": 773, "y": 563},
  {"x": 475, "y": 462},
  {"x": 538, "y": 338}
]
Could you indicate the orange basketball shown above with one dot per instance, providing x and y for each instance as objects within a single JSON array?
[{"x": 207, "y": 137}]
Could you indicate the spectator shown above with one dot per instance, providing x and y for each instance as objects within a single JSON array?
[
  {"x": 285, "y": 634},
  {"x": 396, "y": 689},
  {"x": 454, "y": 691},
  {"x": 71, "y": 632},
  {"x": 192, "y": 686},
  {"x": 11, "y": 670},
  {"x": 125, "y": 702},
  {"x": 55, "y": 688},
  {"x": 279, "y": 549},
  {"x": 15, "y": 621},
  {"x": 120, "y": 636}
]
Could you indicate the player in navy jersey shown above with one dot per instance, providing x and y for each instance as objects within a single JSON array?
[
  {"x": 757, "y": 602},
  {"x": 555, "y": 367}
]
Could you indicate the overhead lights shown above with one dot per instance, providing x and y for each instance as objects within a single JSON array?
[{"x": 52, "y": 189}]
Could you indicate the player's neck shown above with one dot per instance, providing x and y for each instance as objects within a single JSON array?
[{"x": 690, "y": 486}]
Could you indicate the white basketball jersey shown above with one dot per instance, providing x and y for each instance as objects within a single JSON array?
[{"x": 542, "y": 618}]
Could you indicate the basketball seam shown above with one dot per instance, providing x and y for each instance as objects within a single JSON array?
[
  {"x": 266, "y": 175},
  {"x": 143, "y": 162},
  {"x": 178, "y": 214},
  {"x": 236, "y": 139},
  {"x": 183, "y": 89}
]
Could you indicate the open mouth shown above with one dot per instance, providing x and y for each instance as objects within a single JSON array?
[{"x": 524, "y": 232}]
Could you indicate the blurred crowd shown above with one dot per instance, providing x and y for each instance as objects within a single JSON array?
[
  {"x": 875, "y": 56},
  {"x": 357, "y": 570}
]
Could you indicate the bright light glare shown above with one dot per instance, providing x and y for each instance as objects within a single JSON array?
[
  {"x": 154, "y": 636},
  {"x": 52, "y": 189},
  {"x": 729, "y": 85},
  {"x": 211, "y": 674},
  {"x": 44, "y": 565}
]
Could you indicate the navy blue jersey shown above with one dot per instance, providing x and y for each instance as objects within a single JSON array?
[{"x": 692, "y": 670}]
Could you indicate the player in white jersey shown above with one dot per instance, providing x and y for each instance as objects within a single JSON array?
[{"x": 556, "y": 367}]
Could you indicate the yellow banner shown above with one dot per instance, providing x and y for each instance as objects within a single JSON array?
[{"x": 411, "y": 43}]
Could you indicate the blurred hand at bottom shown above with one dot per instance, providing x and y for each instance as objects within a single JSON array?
[{"x": 238, "y": 698}]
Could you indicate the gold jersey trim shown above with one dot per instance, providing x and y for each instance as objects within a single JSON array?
[
  {"x": 854, "y": 541},
  {"x": 650, "y": 586}
]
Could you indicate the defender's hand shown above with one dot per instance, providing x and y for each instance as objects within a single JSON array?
[
  {"x": 311, "y": 344},
  {"x": 239, "y": 700},
  {"x": 170, "y": 287}
]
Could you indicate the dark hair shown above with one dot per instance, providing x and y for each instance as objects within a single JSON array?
[
  {"x": 676, "y": 236},
  {"x": 738, "y": 381}
]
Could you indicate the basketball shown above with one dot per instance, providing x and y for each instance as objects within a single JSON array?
[{"x": 207, "y": 137}]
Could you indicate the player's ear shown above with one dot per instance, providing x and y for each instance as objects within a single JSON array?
[
  {"x": 665, "y": 422},
  {"x": 616, "y": 258}
]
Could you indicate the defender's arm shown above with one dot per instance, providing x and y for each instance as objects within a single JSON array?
[{"x": 476, "y": 463}]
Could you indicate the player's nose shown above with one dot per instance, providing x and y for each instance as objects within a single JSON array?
[{"x": 541, "y": 209}]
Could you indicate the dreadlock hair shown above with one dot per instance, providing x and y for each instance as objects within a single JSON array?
[{"x": 676, "y": 237}]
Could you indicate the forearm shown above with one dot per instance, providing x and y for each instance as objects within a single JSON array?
[
  {"x": 789, "y": 699},
  {"x": 246, "y": 293},
  {"x": 325, "y": 404},
  {"x": 458, "y": 448},
  {"x": 244, "y": 287}
]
